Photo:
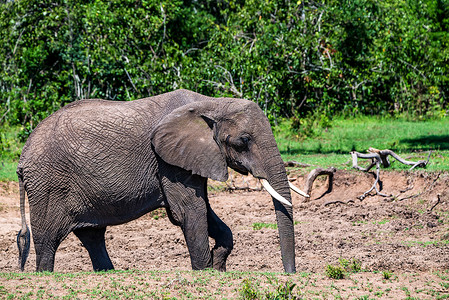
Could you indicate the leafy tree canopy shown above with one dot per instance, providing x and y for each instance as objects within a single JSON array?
[{"x": 294, "y": 58}]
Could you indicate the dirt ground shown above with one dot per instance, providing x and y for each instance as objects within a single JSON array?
[
  {"x": 406, "y": 232},
  {"x": 383, "y": 233}
]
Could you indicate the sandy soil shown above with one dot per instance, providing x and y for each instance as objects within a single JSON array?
[{"x": 406, "y": 232}]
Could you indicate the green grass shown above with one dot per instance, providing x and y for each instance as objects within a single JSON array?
[
  {"x": 210, "y": 284},
  {"x": 10, "y": 149},
  {"x": 259, "y": 226},
  {"x": 411, "y": 140},
  {"x": 335, "y": 272},
  {"x": 134, "y": 284},
  {"x": 8, "y": 170},
  {"x": 387, "y": 275}
]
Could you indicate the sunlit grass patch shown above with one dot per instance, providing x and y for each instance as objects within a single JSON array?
[{"x": 330, "y": 147}]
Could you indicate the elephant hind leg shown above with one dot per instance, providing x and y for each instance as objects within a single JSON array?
[
  {"x": 45, "y": 257},
  {"x": 222, "y": 235},
  {"x": 46, "y": 243},
  {"x": 93, "y": 241}
]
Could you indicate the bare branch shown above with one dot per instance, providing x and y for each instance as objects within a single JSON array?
[
  {"x": 130, "y": 80},
  {"x": 433, "y": 206},
  {"x": 314, "y": 174},
  {"x": 381, "y": 156},
  {"x": 17, "y": 42},
  {"x": 190, "y": 50},
  {"x": 228, "y": 77},
  {"x": 338, "y": 202},
  {"x": 413, "y": 67}
]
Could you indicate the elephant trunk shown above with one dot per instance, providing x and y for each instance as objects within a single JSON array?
[{"x": 277, "y": 178}]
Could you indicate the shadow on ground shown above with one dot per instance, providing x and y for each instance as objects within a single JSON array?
[{"x": 429, "y": 142}]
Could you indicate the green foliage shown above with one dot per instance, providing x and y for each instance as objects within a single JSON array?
[
  {"x": 345, "y": 266},
  {"x": 248, "y": 291},
  {"x": 10, "y": 149},
  {"x": 350, "y": 265},
  {"x": 305, "y": 60},
  {"x": 335, "y": 272},
  {"x": 282, "y": 292},
  {"x": 259, "y": 226}
]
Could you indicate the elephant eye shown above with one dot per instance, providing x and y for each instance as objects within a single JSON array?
[{"x": 241, "y": 144}]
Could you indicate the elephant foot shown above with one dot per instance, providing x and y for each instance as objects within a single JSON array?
[{"x": 219, "y": 257}]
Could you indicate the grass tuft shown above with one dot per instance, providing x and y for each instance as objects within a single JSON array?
[
  {"x": 387, "y": 275},
  {"x": 259, "y": 226},
  {"x": 335, "y": 272},
  {"x": 248, "y": 291},
  {"x": 251, "y": 291},
  {"x": 350, "y": 265}
]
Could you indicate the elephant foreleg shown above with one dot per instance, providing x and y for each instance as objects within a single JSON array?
[
  {"x": 193, "y": 221},
  {"x": 93, "y": 241},
  {"x": 195, "y": 233},
  {"x": 222, "y": 235}
]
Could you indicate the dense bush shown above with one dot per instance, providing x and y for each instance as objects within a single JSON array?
[{"x": 294, "y": 58}]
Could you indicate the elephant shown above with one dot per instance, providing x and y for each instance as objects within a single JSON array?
[{"x": 96, "y": 163}]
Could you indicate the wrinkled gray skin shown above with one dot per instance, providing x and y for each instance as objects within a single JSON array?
[{"x": 96, "y": 163}]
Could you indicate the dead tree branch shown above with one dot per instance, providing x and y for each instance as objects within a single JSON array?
[
  {"x": 381, "y": 157},
  {"x": 229, "y": 86},
  {"x": 438, "y": 201},
  {"x": 318, "y": 172}
]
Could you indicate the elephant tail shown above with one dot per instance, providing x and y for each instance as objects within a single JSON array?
[{"x": 23, "y": 237}]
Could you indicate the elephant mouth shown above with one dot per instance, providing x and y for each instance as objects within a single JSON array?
[{"x": 238, "y": 167}]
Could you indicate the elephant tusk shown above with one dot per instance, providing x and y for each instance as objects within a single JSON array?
[
  {"x": 294, "y": 188},
  {"x": 273, "y": 193}
]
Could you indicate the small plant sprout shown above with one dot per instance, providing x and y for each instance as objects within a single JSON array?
[{"x": 386, "y": 275}]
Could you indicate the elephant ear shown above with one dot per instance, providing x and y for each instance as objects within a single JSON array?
[{"x": 185, "y": 138}]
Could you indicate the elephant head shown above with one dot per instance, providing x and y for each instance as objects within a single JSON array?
[{"x": 206, "y": 137}]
